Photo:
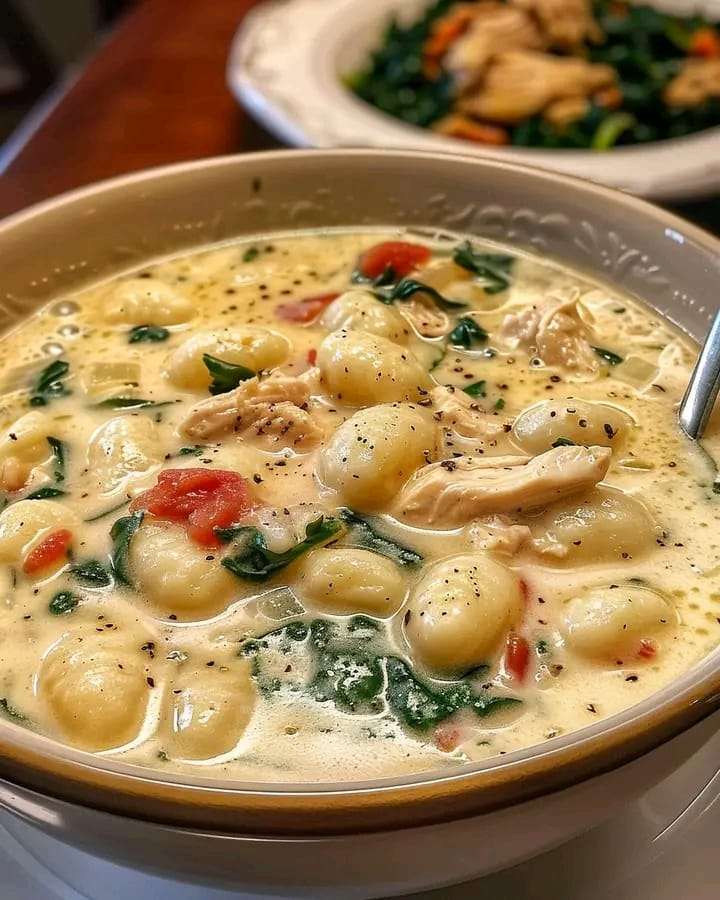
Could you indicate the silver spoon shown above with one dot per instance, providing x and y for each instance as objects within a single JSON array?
[{"x": 699, "y": 399}]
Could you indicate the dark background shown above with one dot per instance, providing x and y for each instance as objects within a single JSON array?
[{"x": 95, "y": 88}]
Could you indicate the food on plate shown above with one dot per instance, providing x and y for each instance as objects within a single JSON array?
[
  {"x": 548, "y": 73},
  {"x": 339, "y": 505}
]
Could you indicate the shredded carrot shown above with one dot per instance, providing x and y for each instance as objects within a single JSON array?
[
  {"x": 443, "y": 34},
  {"x": 705, "y": 42},
  {"x": 469, "y": 130},
  {"x": 609, "y": 98}
]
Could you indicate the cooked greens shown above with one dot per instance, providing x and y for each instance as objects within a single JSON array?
[
  {"x": 362, "y": 534},
  {"x": 225, "y": 376},
  {"x": 50, "y": 383}
]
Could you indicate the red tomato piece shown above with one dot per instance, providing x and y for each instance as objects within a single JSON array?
[
  {"x": 400, "y": 256},
  {"x": 312, "y": 356},
  {"x": 648, "y": 649},
  {"x": 446, "y": 738},
  {"x": 48, "y": 552},
  {"x": 304, "y": 311},
  {"x": 517, "y": 656},
  {"x": 203, "y": 499},
  {"x": 705, "y": 42}
]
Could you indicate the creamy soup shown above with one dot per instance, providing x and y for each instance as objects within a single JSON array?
[{"x": 346, "y": 505}]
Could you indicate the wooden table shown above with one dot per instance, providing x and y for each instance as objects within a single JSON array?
[{"x": 153, "y": 93}]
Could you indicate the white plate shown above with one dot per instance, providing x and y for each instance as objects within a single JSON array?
[
  {"x": 664, "y": 847},
  {"x": 288, "y": 58}
]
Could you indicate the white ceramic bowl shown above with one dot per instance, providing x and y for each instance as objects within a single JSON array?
[
  {"x": 286, "y": 66},
  {"x": 389, "y": 836}
]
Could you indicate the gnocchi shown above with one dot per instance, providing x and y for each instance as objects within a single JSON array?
[
  {"x": 361, "y": 368},
  {"x": 96, "y": 690},
  {"x": 576, "y": 421},
  {"x": 375, "y": 451},
  {"x": 360, "y": 311},
  {"x": 347, "y": 581},
  {"x": 139, "y": 301},
  {"x": 25, "y": 523},
  {"x": 616, "y": 621},
  {"x": 460, "y": 611},
  {"x": 255, "y": 348},
  {"x": 123, "y": 449},
  {"x": 176, "y": 576},
  {"x": 208, "y": 709}
]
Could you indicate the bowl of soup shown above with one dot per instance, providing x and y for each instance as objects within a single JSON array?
[{"x": 346, "y": 515}]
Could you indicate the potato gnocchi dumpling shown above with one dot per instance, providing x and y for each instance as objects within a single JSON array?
[
  {"x": 142, "y": 301},
  {"x": 124, "y": 448},
  {"x": 26, "y": 522},
  {"x": 95, "y": 687},
  {"x": 460, "y": 612},
  {"x": 616, "y": 621},
  {"x": 360, "y": 311},
  {"x": 177, "y": 576},
  {"x": 543, "y": 425},
  {"x": 255, "y": 348},
  {"x": 606, "y": 525},
  {"x": 418, "y": 487},
  {"x": 208, "y": 708},
  {"x": 360, "y": 369},
  {"x": 345, "y": 581},
  {"x": 373, "y": 453}
]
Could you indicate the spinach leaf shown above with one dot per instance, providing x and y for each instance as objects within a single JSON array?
[
  {"x": 225, "y": 376},
  {"x": 132, "y": 403},
  {"x": 612, "y": 359},
  {"x": 386, "y": 277},
  {"x": 422, "y": 707},
  {"x": 563, "y": 442},
  {"x": 476, "y": 389},
  {"x": 499, "y": 404},
  {"x": 62, "y": 603},
  {"x": 492, "y": 268},
  {"x": 352, "y": 680},
  {"x": 147, "y": 334},
  {"x": 46, "y": 492},
  {"x": 254, "y": 562},
  {"x": 49, "y": 384},
  {"x": 60, "y": 455},
  {"x": 466, "y": 333},
  {"x": 92, "y": 572},
  {"x": 250, "y": 254},
  {"x": 195, "y": 450},
  {"x": 362, "y": 534},
  {"x": 408, "y": 287},
  {"x": 121, "y": 534},
  {"x": 10, "y": 710}
]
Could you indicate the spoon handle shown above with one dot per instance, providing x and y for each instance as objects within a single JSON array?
[{"x": 699, "y": 399}]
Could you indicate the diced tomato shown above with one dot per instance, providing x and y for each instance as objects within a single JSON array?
[
  {"x": 446, "y": 738},
  {"x": 203, "y": 499},
  {"x": 705, "y": 42},
  {"x": 304, "y": 311},
  {"x": 445, "y": 32},
  {"x": 48, "y": 552},
  {"x": 399, "y": 256},
  {"x": 517, "y": 656},
  {"x": 648, "y": 649},
  {"x": 312, "y": 356}
]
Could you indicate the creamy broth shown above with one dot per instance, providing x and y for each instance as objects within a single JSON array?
[{"x": 437, "y": 526}]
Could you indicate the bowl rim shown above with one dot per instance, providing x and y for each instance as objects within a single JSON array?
[{"x": 309, "y": 809}]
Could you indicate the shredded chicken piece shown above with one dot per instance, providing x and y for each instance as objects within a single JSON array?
[
  {"x": 427, "y": 320},
  {"x": 555, "y": 331},
  {"x": 565, "y": 23},
  {"x": 498, "y": 534},
  {"x": 495, "y": 27},
  {"x": 273, "y": 410},
  {"x": 14, "y": 474},
  {"x": 521, "y": 83},
  {"x": 698, "y": 80},
  {"x": 564, "y": 112},
  {"x": 461, "y": 415},
  {"x": 454, "y": 492}
]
